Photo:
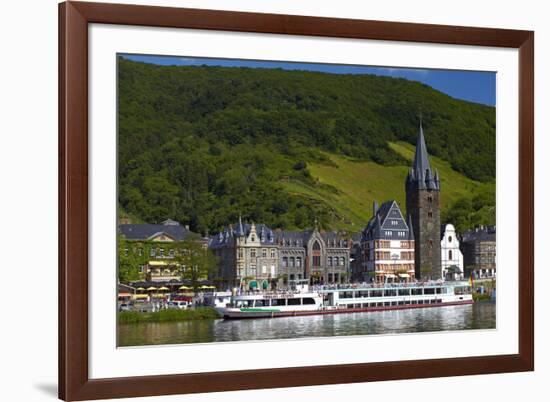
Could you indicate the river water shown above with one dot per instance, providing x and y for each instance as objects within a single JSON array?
[{"x": 481, "y": 315}]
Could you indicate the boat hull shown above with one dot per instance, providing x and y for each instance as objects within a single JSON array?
[{"x": 235, "y": 313}]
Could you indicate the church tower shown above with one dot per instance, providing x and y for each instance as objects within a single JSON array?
[{"x": 422, "y": 194}]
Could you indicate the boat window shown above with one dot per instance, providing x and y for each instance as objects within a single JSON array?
[
  {"x": 262, "y": 303},
  {"x": 362, "y": 293},
  {"x": 460, "y": 290},
  {"x": 308, "y": 300},
  {"x": 376, "y": 293},
  {"x": 346, "y": 295},
  {"x": 429, "y": 291},
  {"x": 390, "y": 292},
  {"x": 293, "y": 302},
  {"x": 278, "y": 302},
  {"x": 416, "y": 291},
  {"x": 245, "y": 303},
  {"x": 404, "y": 292},
  {"x": 438, "y": 291}
]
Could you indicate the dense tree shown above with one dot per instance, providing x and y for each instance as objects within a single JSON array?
[
  {"x": 128, "y": 262},
  {"x": 205, "y": 144},
  {"x": 196, "y": 262}
]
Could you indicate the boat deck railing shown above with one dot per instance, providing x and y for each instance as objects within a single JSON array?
[{"x": 351, "y": 286}]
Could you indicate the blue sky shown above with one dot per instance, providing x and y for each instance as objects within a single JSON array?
[{"x": 475, "y": 86}]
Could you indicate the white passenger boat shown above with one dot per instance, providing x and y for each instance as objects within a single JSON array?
[{"x": 328, "y": 300}]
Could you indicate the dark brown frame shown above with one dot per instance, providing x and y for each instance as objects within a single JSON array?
[{"x": 74, "y": 383}]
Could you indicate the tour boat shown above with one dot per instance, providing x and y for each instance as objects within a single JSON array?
[{"x": 341, "y": 299}]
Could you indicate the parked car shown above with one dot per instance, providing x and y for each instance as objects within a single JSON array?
[
  {"x": 125, "y": 307},
  {"x": 178, "y": 304},
  {"x": 145, "y": 307}
]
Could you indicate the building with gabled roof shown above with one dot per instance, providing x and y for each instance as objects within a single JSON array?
[
  {"x": 479, "y": 247},
  {"x": 253, "y": 256},
  {"x": 156, "y": 246},
  {"x": 452, "y": 262},
  {"x": 387, "y": 246}
]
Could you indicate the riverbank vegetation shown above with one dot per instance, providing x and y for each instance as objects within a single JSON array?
[{"x": 170, "y": 315}]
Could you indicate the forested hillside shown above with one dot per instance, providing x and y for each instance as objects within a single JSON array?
[{"x": 205, "y": 144}]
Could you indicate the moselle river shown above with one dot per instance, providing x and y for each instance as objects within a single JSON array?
[{"x": 481, "y": 315}]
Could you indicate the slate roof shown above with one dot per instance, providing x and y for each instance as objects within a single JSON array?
[
  {"x": 269, "y": 237},
  {"x": 146, "y": 231},
  {"x": 380, "y": 226},
  {"x": 421, "y": 175},
  {"x": 483, "y": 234},
  {"x": 265, "y": 234},
  {"x": 301, "y": 238}
]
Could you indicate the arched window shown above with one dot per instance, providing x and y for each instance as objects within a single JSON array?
[
  {"x": 450, "y": 239},
  {"x": 316, "y": 246},
  {"x": 450, "y": 254}
]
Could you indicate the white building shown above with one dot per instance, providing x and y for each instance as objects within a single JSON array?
[{"x": 452, "y": 263}]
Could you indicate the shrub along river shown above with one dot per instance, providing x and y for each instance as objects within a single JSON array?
[{"x": 480, "y": 315}]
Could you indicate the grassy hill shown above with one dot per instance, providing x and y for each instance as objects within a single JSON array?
[
  {"x": 349, "y": 187},
  {"x": 203, "y": 145}
]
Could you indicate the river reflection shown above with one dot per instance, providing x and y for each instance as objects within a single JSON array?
[{"x": 476, "y": 316}]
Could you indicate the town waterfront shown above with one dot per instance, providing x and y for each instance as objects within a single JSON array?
[{"x": 480, "y": 315}]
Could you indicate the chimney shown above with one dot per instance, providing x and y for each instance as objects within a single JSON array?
[{"x": 374, "y": 207}]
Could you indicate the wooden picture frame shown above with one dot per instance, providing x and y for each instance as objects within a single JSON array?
[{"x": 74, "y": 381}]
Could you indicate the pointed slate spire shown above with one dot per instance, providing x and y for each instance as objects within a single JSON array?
[
  {"x": 410, "y": 225},
  {"x": 421, "y": 175},
  {"x": 421, "y": 162},
  {"x": 240, "y": 230},
  {"x": 430, "y": 183}
]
